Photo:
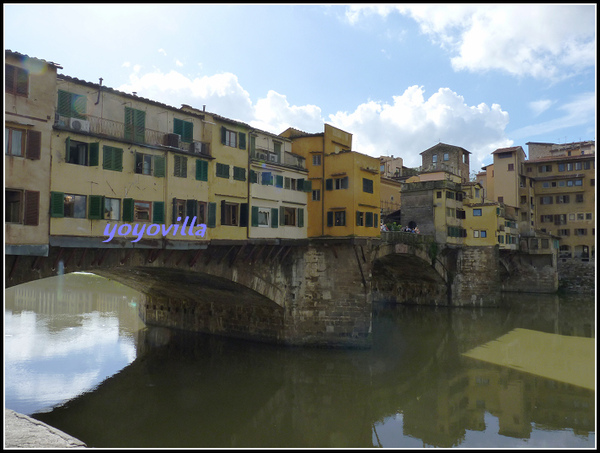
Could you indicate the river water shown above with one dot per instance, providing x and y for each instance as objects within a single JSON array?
[{"x": 522, "y": 376}]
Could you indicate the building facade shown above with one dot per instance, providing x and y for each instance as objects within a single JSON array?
[{"x": 30, "y": 97}]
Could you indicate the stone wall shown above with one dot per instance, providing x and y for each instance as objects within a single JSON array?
[
  {"x": 477, "y": 278},
  {"x": 528, "y": 273},
  {"x": 575, "y": 276}
]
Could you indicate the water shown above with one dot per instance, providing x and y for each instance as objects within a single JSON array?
[{"x": 77, "y": 357}]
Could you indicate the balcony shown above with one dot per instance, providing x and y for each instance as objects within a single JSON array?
[{"x": 102, "y": 127}]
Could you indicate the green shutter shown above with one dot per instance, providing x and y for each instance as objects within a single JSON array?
[
  {"x": 223, "y": 210},
  {"x": 68, "y": 149},
  {"x": 174, "y": 211},
  {"x": 158, "y": 212},
  {"x": 57, "y": 204},
  {"x": 274, "y": 219},
  {"x": 94, "y": 150},
  {"x": 128, "y": 207},
  {"x": 159, "y": 166},
  {"x": 188, "y": 131},
  {"x": 107, "y": 158},
  {"x": 96, "y": 207},
  {"x": 212, "y": 215},
  {"x": 329, "y": 184},
  {"x": 307, "y": 185},
  {"x": 178, "y": 127},
  {"x": 253, "y": 177},
  {"x": 191, "y": 208},
  {"x": 358, "y": 213},
  {"x": 244, "y": 214},
  {"x": 369, "y": 219},
  {"x": 375, "y": 221},
  {"x": 118, "y": 159},
  {"x": 330, "y": 219},
  {"x": 278, "y": 181},
  {"x": 301, "y": 217},
  {"x": 254, "y": 216},
  {"x": 223, "y": 134},
  {"x": 242, "y": 140},
  {"x": 64, "y": 103},
  {"x": 201, "y": 170},
  {"x": 300, "y": 185}
]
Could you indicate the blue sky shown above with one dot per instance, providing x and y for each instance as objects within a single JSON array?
[{"x": 400, "y": 78}]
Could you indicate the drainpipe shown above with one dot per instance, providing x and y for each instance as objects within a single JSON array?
[
  {"x": 249, "y": 220},
  {"x": 323, "y": 220}
]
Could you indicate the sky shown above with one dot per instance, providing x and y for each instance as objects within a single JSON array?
[{"x": 400, "y": 78}]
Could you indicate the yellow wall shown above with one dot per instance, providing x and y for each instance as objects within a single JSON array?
[{"x": 33, "y": 112}]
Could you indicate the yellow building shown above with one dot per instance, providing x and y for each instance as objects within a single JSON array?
[
  {"x": 126, "y": 169},
  {"x": 345, "y": 185},
  {"x": 29, "y": 104}
]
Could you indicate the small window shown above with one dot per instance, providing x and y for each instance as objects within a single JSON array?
[
  {"x": 511, "y": 167},
  {"x": 184, "y": 128},
  {"x": 367, "y": 185},
  {"x": 16, "y": 80},
  {"x": 434, "y": 158},
  {"x": 229, "y": 214},
  {"x": 112, "y": 209},
  {"x": 142, "y": 211},
  {"x": 180, "y": 169},
  {"x": 316, "y": 195},
  {"x": 289, "y": 216},
  {"x": 339, "y": 218},
  {"x": 143, "y": 164},
  {"x": 341, "y": 183},
  {"x": 12, "y": 205},
  {"x": 483, "y": 233},
  {"x": 112, "y": 158},
  {"x": 223, "y": 170},
  {"x": 264, "y": 217},
  {"x": 316, "y": 159},
  {"x": 476, "y": 212},
  {"x": 239, "y": 173},
  {"x": 74, "y": 206},
  {"x": 446, "y": 157},
  {"x": 14, "y": 142},
  {"x": 135, "y": 125}
]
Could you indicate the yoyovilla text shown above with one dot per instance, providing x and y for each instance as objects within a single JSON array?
[{"x": 154, "y": 229}]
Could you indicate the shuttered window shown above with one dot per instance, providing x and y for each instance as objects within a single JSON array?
[
  {"x": 158, "y": 212},
  {"x": 212, "y": 215},
  {"x": 16, "y": 80},
  {"x": 135, "y": 125},
  {"x": 34, "y": 145},
  {"x": 71, "y": 105},
  {"x": 180, "y": 169},
  {"x": 31, "y": 214},
  {"x": 96, "y": 207},
  {"x": 57, "y": 204},
  {"x": 112, "y": 158},
  {"x": 223, "y": 170},
  {"x": 239, "y": 174},
  {"x": 201, "y": 170},
  {"x": 185, "y": 129}
]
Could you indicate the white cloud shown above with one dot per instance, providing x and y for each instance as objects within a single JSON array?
[
  {"x": 275, "y": 114},
  {"x": 542, "y": 41},
  {"x": 412, "y": 124},
  {"x": 163, "y": 52},
  {"x": 539, "y": 107}
]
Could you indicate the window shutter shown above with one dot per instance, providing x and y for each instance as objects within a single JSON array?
[
  {"x": 57, "y": 204},
  {"x": 278, "y": 181},
  {"x": 158, "y": 212},
  {"x": 191, "y": 209},
  {"x": 307, "y": 185},
  {"x": 329, "y": 184},
  {"x": 94, "y": 151},
  {"x": 128, "y": 205},
  {"x": 117, "y": 159},
  {"x": 34, "y": 145},
  {"x": 345, "y": 182},
  {"x": 212, "y": 215},
  {"x": 201, "y": 170},
  {"x": 96, "y": 207},
  {"x": 174, "y": 211},
  {"x": 64, "y": 103},
  {"x": 253, "y": 177},
  {"x": 223, "y": 208},
  {"x": 188, "y": 131},
  {"x": 300, "y": 217},
  {"x": 358, "y": 218},
  {"x": 244, "y": 214},
  {"x": 177, "y": 166},
  {"x": 330, "y": 219},
  {"x": 68, "y": 149},
  {"x": 369, "y": 219},
  {"x": 254, "y": 216},
  {"x": 159, "y": 166},
  {"x": 375, "y": 221},
  {"x": 242, "y": 140},
  {"x": 223, "y": 135},
  {"x": 274, "y": 218},
  {"x": 300, "y": 185},
  {"x": 32, "y": 208},
  {"x": 107, "y": 158}
]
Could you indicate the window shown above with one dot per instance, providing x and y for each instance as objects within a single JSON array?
[
  {"x": 360, "y": 218},
  {"x": 544, "y": 168},
  {"x": 545, "y": 200},
  {"x": 189, "y": 209},
  {"x": 223, "y": 170},
  {"x": 367, "y": 185},
  {"x": 476, "y": 212},
  {"x": 74, "y": 206},
  {"x": 289, "y": 216},
  {"x": 475, "y": 233},
  {"x": 579, "y": 198},
  {"x": 146, "y": 164},
  {"x": 438, "y": 194},
  {"x": 112, "y": 158},
  {"x": 112, "y": 209},
  {"x": 180, "y": 169},
  {"x": 230, "y": 138},
  {"x": 184, "y": 128},
  {"x": 142, "y": 211},
  {"x": 546, "y": 218},
  {"x": 16, "y": 80},
  {"x": 229, "y": 213},
  {"x": 71, "y": 105},
  {"x": 562, "y": 199},
  {"x": 339, "y": 218},
  {"x": 22, "y": 206},
  {"x": 266, "y": 178},
  {"x": 580, "y": 232},
  {"x": 80, "y": 153},
  {"x": 511, "y": 167},
  {"x": 341, "y": 183},
  {"x": 450, "y": 195},
  {"x": 12, "y": 206},
  {"x": 239, "y": 174},
  {"x": 316, "y": 195},
  {"x": 263, "y": 217},
  {"x": 135, "y": 125},
  {"x": 446, "y": 157},
  {"x": 316, "y": 159},
  {"x": 434, "y": 158},
  {"x": 23, "y": 143},
  {"x": 564, "y": 232},
  {"x": 483, "y": 233}
]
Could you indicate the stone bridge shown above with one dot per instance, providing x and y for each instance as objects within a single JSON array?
[{"x": 313, "y": 292}]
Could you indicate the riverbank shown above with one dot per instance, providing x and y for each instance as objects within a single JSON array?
[{"x": 21, "y": 431}]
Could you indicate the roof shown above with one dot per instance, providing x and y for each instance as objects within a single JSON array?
[
  {"x": 512, "y": 149},
  {"x": 22, "y": 55},
  {"x": 445, "y": 146}
]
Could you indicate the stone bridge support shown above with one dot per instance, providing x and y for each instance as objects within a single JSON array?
[{"x": 310, "y": 292}]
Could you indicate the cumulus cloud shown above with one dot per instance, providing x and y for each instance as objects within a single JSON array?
[
  {"x": 541, "y": 41},
  {"x": 413, "y": 123}
]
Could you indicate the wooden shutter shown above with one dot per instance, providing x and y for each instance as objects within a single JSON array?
[
  {"x": 254, "y": 216},
  {"x": 274, "y": 218},
  {"x": 375, "y": 221},
  {"x": 96, "y": 207},
  {"x": 191, "y": 208},
  {"x": 301, "y": 217},
  {"x": 244, "y": 214},
  {"x": 68, "y": 149},
  {"x": 57, "y": 204},
  {"x": 212, "y": 215},
  {"x": 278, "y": 181},
  {"x": 107, "y": 157},
  {"x": 31, "y": 214},
  {"x": 307, "y": 185},
  {"x": 158, "y": 212},
  {"x": 223, "y": 135},
  {"x": 64, "y": 103},
  {"x": 330, "y": 219},
  {"x": 358, "y": 218},
  {"x": 174, "y": 211},
  {"x": 159, "y": 166},
  {"x": 94, "y": 154},
  {"x": 34, "y": 145},
  {"x": 201, "y": 170},
  {"x": 329, "y": 184},
  {"x": 242, "y": 140},
  {"x": 128, "y": 208}
]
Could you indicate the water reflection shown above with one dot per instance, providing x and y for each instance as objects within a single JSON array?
[
  {"x": 414, "y": 388},
  {"x": 63, "y": 336}
]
